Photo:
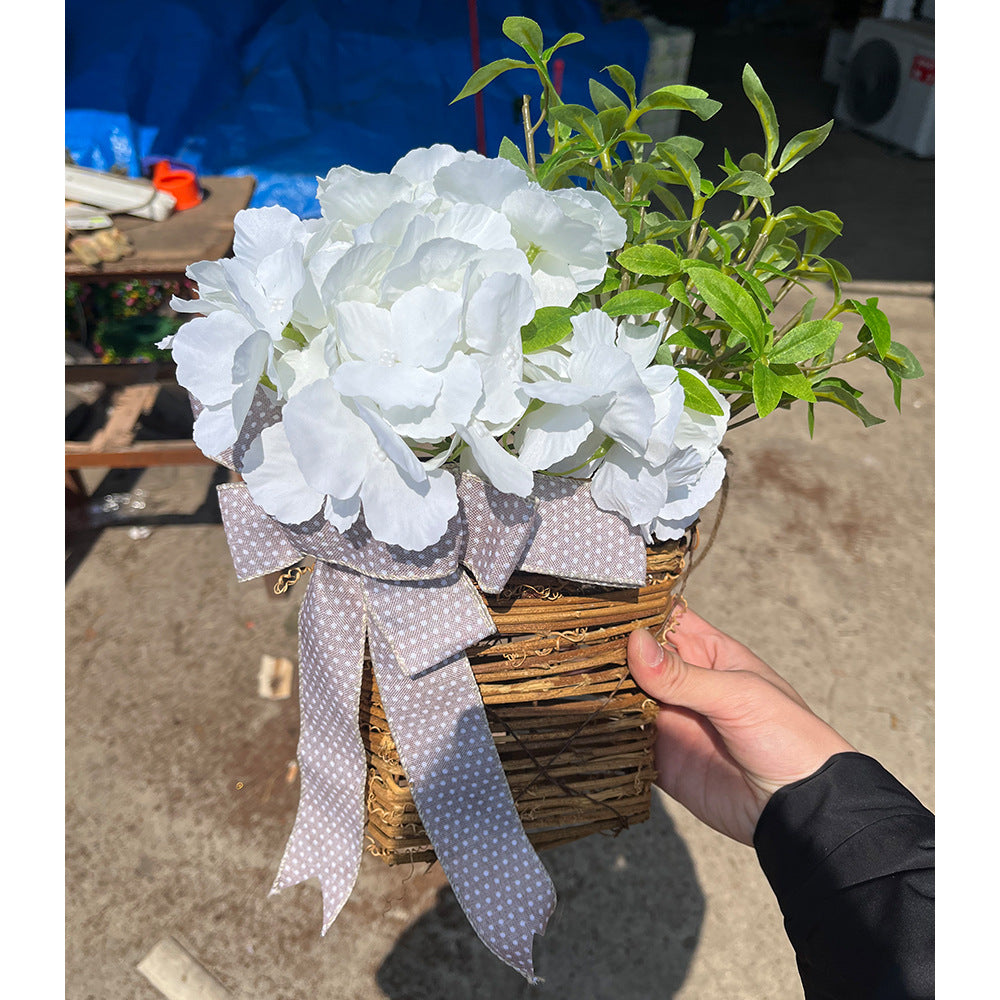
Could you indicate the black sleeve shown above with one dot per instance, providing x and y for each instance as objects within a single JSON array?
[{"x": 849, "y": 853}]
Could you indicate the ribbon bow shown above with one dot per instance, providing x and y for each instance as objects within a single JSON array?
[{"x": 419, "y": 611}]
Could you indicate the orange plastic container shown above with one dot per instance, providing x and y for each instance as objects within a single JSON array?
[{"x": 182, "y": 184}]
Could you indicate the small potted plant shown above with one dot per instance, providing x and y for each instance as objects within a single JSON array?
[{"x": 482, "y": 401}]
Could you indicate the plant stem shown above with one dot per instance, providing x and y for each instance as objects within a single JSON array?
[{"x": 529, "y": 133}]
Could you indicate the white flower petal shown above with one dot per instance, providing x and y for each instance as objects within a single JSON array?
[
  {"x": 503, "y": 401},
  {"x": 504, "y": 470},
  {"x": 420, "y": 166},
  {"x": 478, "y": 181},
  {"x": 342, "y": 513},
  {"x": 215, "y": 429},
  {"x": 297, "y": 369},
  {"x": 204, "y": 349},
  {"x": 425, "y": 326},
  {"x": 331, "y": 444},
  {"x": 495, "y": 313},
  {"x": 388, "y": 441},
  {"x": 478, "y": 224},
  {"x": 629, "y": 486},
  {"x": 550, "y": 434},
  {"x": 670, "y": 530},
  {"x": 259, "y": 232},
  {"x": 350, "y": 197},
  {"x": 364, "y": 332},
  {"x": 356, "y": 274},
  {"x": 438, "y": 262},
  {"x": 274, "y": 479},
  {"x": 388, "y": 385},
  {"x": 401, "y": 512},
  {"x": 698, "y": 493},
  {"x": 640, "y": 343}
]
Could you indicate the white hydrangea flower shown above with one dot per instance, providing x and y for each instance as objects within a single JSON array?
[
  {"x": 590, "y": 390},
  {"x": 246, "y": 303},
  {"x": 390, "y": 328},
  {"x": 696, "y": 468}
]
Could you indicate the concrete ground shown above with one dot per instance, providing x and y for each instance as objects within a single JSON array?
[{"x": 178, "y": 798}]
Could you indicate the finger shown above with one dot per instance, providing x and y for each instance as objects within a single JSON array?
[
  {"x": 666, "y": 676},
  {"x": 723, "y": 652}
]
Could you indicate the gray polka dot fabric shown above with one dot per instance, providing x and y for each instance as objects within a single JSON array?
[
  {"x": 419, "y": 612},
  {"x": 460, "y": 790},
  {"x": 327, "y": 838},
  {"x": 576, "y": 540}
]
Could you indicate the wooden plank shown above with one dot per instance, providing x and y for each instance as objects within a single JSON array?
[
  {"x": 122, "y": 374},
  {"x": 129, "y": 404},
  {"x": 137, "y": 456},
  {"x": 165, "y": 249}
]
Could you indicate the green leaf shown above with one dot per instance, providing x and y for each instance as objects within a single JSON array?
[
  {"x": 897, "y": 390},
  {"x": 678, "y": 291},
  {"x": 578, "y": 117},
  {"x": 636, "y": 138},
  {"x": 486, "y": 74},
  {"x": 842, "y": 397},
  {"x": 754, "y": 90},
  {"x": 793, "y": 382},
  {"x": 624, "y": 79},
  {"x": 754, "y": 162},
  {"x": 720, "y": 242},
  {"x": 685, "y": 143},
  {"x": 568, "y": 39},
  {"x": 549, "y": 325},
  {"x": 525, "y": 33},
  {"x": 510, "y": 152},
  {"x": 681, "y": 161},
  {"x": 877, "y": 323},
  {"x": 732, "y": 303},
  {"x": 697, "y": 396},
  {"x": 635, "y": 302},
  {"x": 766, "y": 388},
  {"x": 757, "y": 288},
  {"x": 902, "y": 361},
  {"x": 802, "y": 145},
  {"x": 748, "y": 183},
  {"x": 727, "y": 386},
  {"x": 806, "y": 340},
  {"x": 678, "y": 97},
  {"x": 602, "y": 98},
  {"x": 651, "y": 259},
  {"x": 799, "y": 218},
  {"x": 612, "y": 120},
  {"x": 691, "y": 336}
]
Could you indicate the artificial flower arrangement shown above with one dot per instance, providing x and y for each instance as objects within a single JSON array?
[{"x": 415, "y": 381}]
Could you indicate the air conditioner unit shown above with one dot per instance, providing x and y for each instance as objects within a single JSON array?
[{"x": 887, "y": 87}]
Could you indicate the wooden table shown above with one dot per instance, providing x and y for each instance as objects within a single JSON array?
[{"x": 163, "y": 250}]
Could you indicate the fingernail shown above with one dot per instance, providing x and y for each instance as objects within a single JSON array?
[{"x": 650, "y": 652}]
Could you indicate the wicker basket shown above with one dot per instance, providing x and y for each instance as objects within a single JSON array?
[{"x": 573, "y": 730}]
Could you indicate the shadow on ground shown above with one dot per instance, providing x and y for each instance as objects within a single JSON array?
[{"x": 588, "y": 952}]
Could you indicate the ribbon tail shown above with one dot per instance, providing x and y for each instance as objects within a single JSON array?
[
  {"x": 327, "y": 838},
  {"x": 458, "y": 784}
]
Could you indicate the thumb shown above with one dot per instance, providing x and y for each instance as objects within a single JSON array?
[{"x": 664, "y": 675}]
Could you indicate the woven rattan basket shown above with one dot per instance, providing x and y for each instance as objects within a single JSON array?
[{"x": 573, "y": 730}]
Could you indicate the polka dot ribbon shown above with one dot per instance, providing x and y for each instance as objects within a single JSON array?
[{"x": 419, "y": 612}]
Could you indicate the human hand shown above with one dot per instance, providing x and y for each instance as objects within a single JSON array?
[{"x": 730, "y": 731}]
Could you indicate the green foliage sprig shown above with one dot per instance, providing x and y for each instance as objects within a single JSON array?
[{"x": 716, "y": 284}]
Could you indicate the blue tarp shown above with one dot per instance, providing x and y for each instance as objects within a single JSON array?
[{"x": 287, "y": 89}]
